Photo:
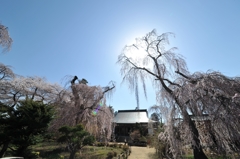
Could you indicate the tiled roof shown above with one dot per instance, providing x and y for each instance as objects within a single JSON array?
[{"x": 131, "y": 116}]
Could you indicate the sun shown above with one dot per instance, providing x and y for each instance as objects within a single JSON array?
[{"x": 137, "y": 55}]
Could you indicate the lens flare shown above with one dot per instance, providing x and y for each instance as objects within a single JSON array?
[{"x": 94, "y": 112}]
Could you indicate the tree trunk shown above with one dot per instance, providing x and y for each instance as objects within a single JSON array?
[
  {"x": 4, "y": 149},
  {"x": 197, "y": 147},
  {"x": 72, "y": 154},
  {"x": 198, "y": 153},
  {"x": 22, "y": 151}
]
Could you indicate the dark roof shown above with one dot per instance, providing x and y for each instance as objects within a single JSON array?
[
  {"x": 135, "y": 110},
  {"x": 132, "y": 116}
]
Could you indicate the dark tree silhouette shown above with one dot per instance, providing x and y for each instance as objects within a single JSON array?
[
  {"x": 75, "y": 138},
  {"x": 21, "y": 125}
]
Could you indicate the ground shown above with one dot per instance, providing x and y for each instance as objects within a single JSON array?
[{"x": 141, "y": 152}]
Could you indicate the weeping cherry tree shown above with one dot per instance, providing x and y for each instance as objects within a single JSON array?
[
  {"x": 86, "y": 105},
  {"x": 152, "y": 60},
  {"x": 216, "y": 97}
]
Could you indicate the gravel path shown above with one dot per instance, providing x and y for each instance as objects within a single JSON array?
[{"x": 141, "y": 152}]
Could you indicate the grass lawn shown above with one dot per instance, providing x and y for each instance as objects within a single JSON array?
[{"x": 53, "y": 150}]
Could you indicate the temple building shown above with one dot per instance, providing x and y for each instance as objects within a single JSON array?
[{"x": 126, "y": 120}]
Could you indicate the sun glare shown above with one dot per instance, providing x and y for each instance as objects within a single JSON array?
[
  {"x": 135, "y": 52},
  {"x": 137, "y": 56}
]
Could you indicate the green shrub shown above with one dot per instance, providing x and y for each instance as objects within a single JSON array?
[
  {"x": 100, "y": 144},
  {"x": 142, "y": 139},
  {"x": 110, "y": 155},
  {"x": 114, "y": 154}
]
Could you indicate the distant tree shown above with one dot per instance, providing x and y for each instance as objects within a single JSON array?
[
  {"x": 76, "y": 138},
  {"x": 135, "y": 135},
  {"x": 22, "y": 125},
  {"x": 16, "y": 88},
  {"x": 5, "y": 72},
  {"x": 85, "y": 104},
  {"x": 115, "y": 113},
  {"x": 5, "y": 39},
  {"x": 138, "y": 132},
  {"x": 13, "y": 90},
  {"x": 161, "y": 147},
  {"x": 155, "y": 117}
]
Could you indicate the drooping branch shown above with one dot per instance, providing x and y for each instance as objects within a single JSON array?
[
  {"x": 107, "y": 89},
  {"x": 140, "y": 68},
  {"x": 5, "y": 72}
]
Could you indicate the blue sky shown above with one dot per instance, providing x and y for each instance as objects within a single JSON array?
[{"x": 56, "y": 38}]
